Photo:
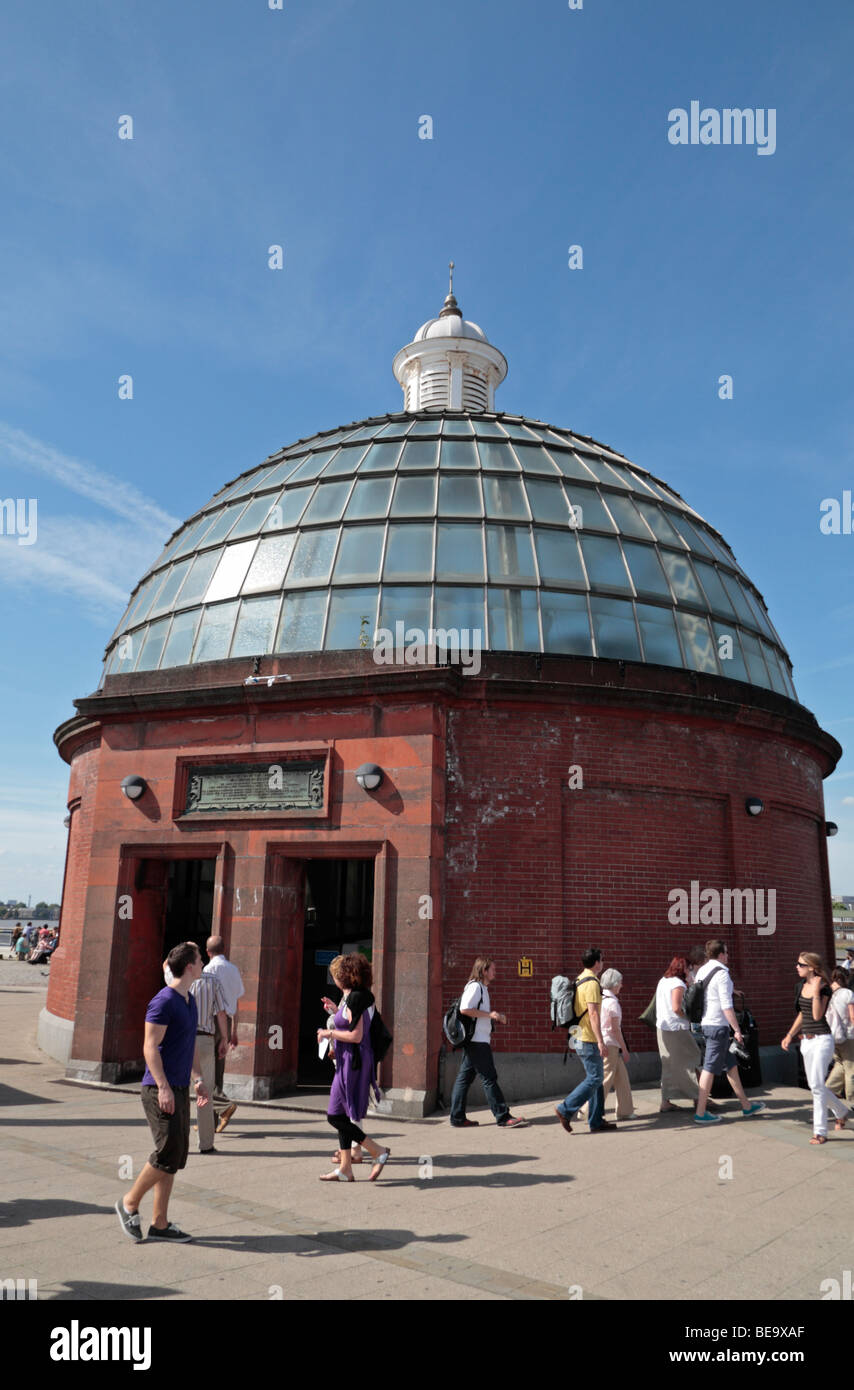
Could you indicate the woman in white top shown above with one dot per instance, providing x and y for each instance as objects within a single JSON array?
[
  {"x": 680, "y": 1055},
  {"x": 840, "y": 1016}
]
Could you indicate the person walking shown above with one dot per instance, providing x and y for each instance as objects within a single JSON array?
[
  {"x": 680, "y": 1055},
  {"x": 588, "y": 1004},
  {"x": 614, "y": 1074},
  {"x": 813, "y": 996},
  {"x": 171, "y": 1056},
  {"x": 231, "y": 983},
  {"x": 211, "y": 1037},
  {"x": 477, "y": 1052},
  {"x": 718, "y": 1020},
  {"x": 840, "y": 1016},
  {"x": 355, "y": 1069}
]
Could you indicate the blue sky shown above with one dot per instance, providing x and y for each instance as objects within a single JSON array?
[{"x": 299, "y": 127}]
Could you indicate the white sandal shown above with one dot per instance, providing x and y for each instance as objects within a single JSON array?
[{"x": 336, "y": 1176}]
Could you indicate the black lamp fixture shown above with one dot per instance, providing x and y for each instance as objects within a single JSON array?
[
  {"x": 369, "y": 776},
  {"x": 753, "y": 806},
  {"x": 831, "y": 828},
  {"x": 133, "y": 786}
]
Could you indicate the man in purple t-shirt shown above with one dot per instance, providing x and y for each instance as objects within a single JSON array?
[{"x": 171, "y": 1058}]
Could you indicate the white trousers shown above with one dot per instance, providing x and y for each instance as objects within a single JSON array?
[{"x": 817, "y": 1053}]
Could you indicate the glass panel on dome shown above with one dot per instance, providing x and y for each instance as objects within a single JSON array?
[
  {"x": 395, "y": 429},
  {"x": 254, "y": 517},
  {"x": 505, "y": 500},
  {"x": 658, "y": 524},
  {"x": 461, "y": 609},
  {"x": 199, "y": 577},
  {"x": 165, "y": 598},
  {"x": 758, "y": 607},
  {"x": 460, "y": 496},
  {"x": 682, "y": 580},
  {"x": 310, "y": 467},
  {"x": 180, "y": 641},
  {"x": 773, "y": 663},
  {"x": 282, "y": 472},
  {"x": 787, "y": 677},
  {"x": 458, "y": 453},
  {"x": 509, "y": 554},
  {"x": 268, "y": 567},
  {"x": 571, "y": 466},
  {"x": 513, "y": 620},
  {"x": 548, "y": 501},
  {"x": 256, "y": 480},
  {"x": 690, "y": 534},
  {"x": 739, "y": 602},
  {"x": 627, "y": 516},
  {"x": 755, "y": 664},
  {"x": 632, "y": 480},
  {"x": 191, "y": 535},
  {"x": 141, "y": 602},
  {"x": 715, "y": 591},
  {"x": 347, "y": 608},
  {"x": 221, "y": 524},
  {"x": 313, "y": 557},
  {"x": 519, "y": 432},
  {"x": 409, "y": 554},
  {"x": 301, "y": 624},
  {"x": 328, "y": 503},
  {"x": 361, "y": 436},
  {"x": 359, "y": 554},
  {"x": 152, "y": 647},
  {"x": 380, "y": 458},
  {"x": 231, "y": 571},
  {"x": 535, "y": 460},
  {"x": 369, "y": 498},
  {"x": 409, "y": 605},
  {"x": 256, "y": 625},
  {"x": 729, "y": 652},
  {"x": 423, "y": 428},
  {"x": 414, "y": 496},
  {"x": 345, "y": 461},
  {"x": 288, "y": 509},
  {"x": 459, "y": 553},
  {"x": 591, "y": 514},
  {"x": 566, "y": 625},
  {"x": 126, "y": 652},
  {"x": 714, "y": 546},
  {"x": 603, "y": 474},
  {"x": 604, "y": 562},
  {"x": 614, "y": 625},
  {"x": 419, "y": 453},
  {"x": 559, "y": 558},
  {"x": 658, "y": 634},
  {"x": 458, "y": 429},
  {"x": 700, "y": 650},
  {"x": 214, "y": 637},
  {"x": 646, "y": 571},
  {"x": 497, "y": 456},
  {"x": 488, "y": 429}
]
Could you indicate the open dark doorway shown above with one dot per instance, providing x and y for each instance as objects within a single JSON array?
[
  {"x": 189, "y": 902},
  {"x": 339, "y": 918}
]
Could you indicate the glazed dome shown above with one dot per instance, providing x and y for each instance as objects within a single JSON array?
[{"x": 540, "y": 538}]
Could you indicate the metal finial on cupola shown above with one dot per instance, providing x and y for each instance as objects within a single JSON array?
[{"x": 450, "y": 305}]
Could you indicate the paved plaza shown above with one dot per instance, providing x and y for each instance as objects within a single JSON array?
[{"x": 647, "y": 1213}]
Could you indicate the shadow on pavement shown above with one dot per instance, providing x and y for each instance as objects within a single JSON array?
[
  {"x": 21, "y": 1211},
  {"x": 83, "y": 1289},
  {"x": 325, "y": 1242},
  {"x": 481, "y": 1180},
  {"x": 10, "y": 1096}
]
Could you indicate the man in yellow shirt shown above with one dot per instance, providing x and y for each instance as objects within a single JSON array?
[{"x": 592, "y": 1050}]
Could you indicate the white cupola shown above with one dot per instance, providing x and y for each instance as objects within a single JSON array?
[{"x": 449, "y": 365}]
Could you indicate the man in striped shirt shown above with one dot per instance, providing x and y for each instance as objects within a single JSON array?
[{"x": 208, "y": 995}]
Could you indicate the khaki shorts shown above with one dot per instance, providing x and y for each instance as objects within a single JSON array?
[{"x": 171, "y": 1133}]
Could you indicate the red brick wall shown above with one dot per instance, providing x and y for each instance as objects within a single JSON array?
[
  {"x": 536, "y": 869},
  {"x": 65, "y": 965}
]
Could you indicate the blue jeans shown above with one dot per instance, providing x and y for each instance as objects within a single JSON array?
[
  {"x": 590, "y": 1089},
  {"x": 478, "y": 1059}
]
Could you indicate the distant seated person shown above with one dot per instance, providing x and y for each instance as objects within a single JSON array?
[
  {"x": 22, "y": 948},
  {"x": 47, "y": 945}
]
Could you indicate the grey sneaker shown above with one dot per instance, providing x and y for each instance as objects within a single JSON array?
[
  {"x": 129, "y": 1222},
  {"x": 171, "y": 1233}
]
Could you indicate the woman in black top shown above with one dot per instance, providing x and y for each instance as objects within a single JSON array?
[{"x": 813, "y": 998}]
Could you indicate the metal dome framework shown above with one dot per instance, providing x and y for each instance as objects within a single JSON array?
[{"x": 540, "y": 539}]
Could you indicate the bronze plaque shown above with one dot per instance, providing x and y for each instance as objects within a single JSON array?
[{"x": 284, "y": 786}]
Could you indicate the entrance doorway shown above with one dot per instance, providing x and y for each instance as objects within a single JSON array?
[
  {"x": 339, "y": 912},
  {"x": 189, "y": 902}
]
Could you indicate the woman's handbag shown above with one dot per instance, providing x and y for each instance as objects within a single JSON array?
[{"x": 649, "y": 1015}]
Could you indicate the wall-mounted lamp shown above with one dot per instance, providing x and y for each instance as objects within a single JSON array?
[
  {"x": 831, "y": 828},
  {"x": 753, "y": 806},
  {"x": 67, "y": 822},
  {"x": 369, "y": 776},
  {"x": 133, "y": 787}
]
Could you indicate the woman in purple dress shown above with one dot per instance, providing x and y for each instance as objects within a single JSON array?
[{"x": 355, "y": 1069}]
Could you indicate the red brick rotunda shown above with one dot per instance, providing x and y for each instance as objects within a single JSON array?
[{"x": 571, "y": 693}]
